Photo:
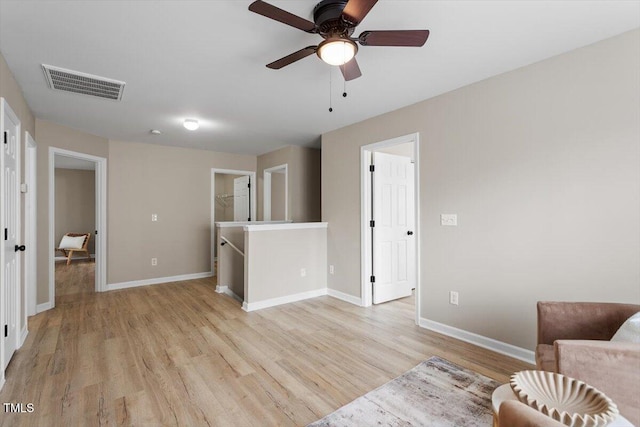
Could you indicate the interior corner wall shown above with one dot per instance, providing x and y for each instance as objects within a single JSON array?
[
  {"x": 12, "y": 93},
  {"x": 175, "y": 184},
  {"x": 51, "y": 134},
  {"x": 303, "y": 169},
  {"x": 542, "y": 167}
]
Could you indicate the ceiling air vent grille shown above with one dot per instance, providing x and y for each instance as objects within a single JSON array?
[{"x": 86, "y": 84}]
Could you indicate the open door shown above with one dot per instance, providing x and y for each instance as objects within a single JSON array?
[
  {"x": 10, "y": 226},
  {"x": 241, "y": 204},
  {"x": 393, "y": 225}
]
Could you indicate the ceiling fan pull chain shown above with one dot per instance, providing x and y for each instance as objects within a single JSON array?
[
  {"x": 330, "y": 97},
  {"x": 344, "y": 90}
]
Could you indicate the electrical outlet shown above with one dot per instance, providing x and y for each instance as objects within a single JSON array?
[
  {"x": 303, "y": 272},
  {"x": 331, "y": 269},
  {"x": 154, "y": 261},
  {"x": 453, "y": 297},
  {"x": 154, "y": 217}
]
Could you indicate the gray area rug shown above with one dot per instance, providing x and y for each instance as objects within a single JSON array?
[{"x": 435, "y": 393}]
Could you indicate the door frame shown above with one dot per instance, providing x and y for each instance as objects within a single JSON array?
[
  {"x": 266, "y": 202},
  {"x": 30, "y": 226},
  {"x": 252, "y": 195},
  {"x": 365, "y": 214},
  {"x": 101, "y": 218}
]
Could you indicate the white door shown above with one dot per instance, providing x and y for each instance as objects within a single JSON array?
[
  {"x": 9, "y": 227},
  {"x": 393, "y": 215},
  {"x": 241, "y": 208}
]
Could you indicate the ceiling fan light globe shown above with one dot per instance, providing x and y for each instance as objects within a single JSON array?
[{"x": 337, "y": 51}]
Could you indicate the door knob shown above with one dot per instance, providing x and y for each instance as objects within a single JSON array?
[
  {"x": 20, "y": 248},
  {"x": 409, "y": 233}
]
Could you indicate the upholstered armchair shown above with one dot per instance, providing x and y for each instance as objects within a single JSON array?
[{"x": 573, "y": 340}]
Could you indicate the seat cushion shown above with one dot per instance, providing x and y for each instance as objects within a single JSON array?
[{"x": 545, "y": 357}]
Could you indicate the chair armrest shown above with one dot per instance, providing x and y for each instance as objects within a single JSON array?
[
  {"x": 515, "y": 414},
  {"x": 611, "y": 367},
  {"x": 581, "y": 320}
]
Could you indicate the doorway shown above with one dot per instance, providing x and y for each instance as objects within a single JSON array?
[
  {"x": 30, "y": 227},
  {"x": 77, "y": 207},
  {"x": 390, "y": 207},
  {"x": 233, "y": 199},
  {"x": 276, "y": 193}
]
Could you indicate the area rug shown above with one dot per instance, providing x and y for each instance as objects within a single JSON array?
[{"x": 435, "y": 393}]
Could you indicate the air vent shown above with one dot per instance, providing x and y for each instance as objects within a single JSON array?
[{"x": 86, "y": 84}]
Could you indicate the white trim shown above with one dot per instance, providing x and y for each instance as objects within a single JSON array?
[
  {"x": 480, "y": 340},
  {"x": 23, "y": 335},
  {"x": 365, "y": 214},
  {"x": 267, "y": 191},
  {"x": 43, "y": 307},
  {"x": 64, "y": 258},
  {"x": 224, "y": 289},
  {"x": 272, "y": 302},
  {"x": 157, "y": 281},
  {"x": 228, "y": 224},
  {"x": 344, "y": 297},
  {"x": 285, "y": 226},
  {"x": 101, "y": 218},
  {"x": 252, "y": 194},
  {"x": 31, "y": 224}
]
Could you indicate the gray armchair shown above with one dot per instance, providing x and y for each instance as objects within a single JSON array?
[{"x": 573, "y": 340}]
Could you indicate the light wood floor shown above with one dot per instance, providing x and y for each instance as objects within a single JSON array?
[{"x": 181, "y": 354}]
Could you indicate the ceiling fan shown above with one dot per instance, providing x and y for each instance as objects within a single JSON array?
[{"x": 335, "y": 21}]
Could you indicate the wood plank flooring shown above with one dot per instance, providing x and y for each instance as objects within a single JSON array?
[{"x": 179, "y": 354}]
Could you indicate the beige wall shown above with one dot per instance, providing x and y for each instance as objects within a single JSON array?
[
  {"x": 75, "y": 204},
  {"x": 54, "y": 135},
  {"x": 268, "y": 277},
  {"x": 11, "y": 92},
  {"x": 175, "y": 184},
  {"x": 542, "y": 166},
  {"x": 278, "y": 196},
  {"x": 303, "y": 178}
]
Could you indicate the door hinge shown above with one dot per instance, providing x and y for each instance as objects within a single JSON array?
[
  {"x": 6, "y": 234},
  {"x": 6, "y": 331},
  {"x": 6, "y": 138},
  {"x": 373, "y": 279},
  {"x": 372, "y": 168},
  {"x": 96, "y": 232},
  {"x": 372, "y": 223},
  {"x": 249, "y": 185}
]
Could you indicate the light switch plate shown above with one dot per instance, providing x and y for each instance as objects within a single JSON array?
[{"x": 449, "y": 219}]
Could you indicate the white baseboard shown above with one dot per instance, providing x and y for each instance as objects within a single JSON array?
[
  {"x": 480, "y": 340},
  {"x": 224, "y": 289},
  {"x": 157, "y": 281},
  {"x": 23, "y": 335},
  {"x": 64, "y": 258},
  {"x": 283, "y": 300},
  {"x": 44, "y": 307},
  {"x": 344, "y": 297}
]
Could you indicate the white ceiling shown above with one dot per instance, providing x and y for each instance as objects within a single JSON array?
[{"x": 206, "y": 60}]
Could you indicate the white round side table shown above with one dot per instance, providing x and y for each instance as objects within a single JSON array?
[{"x": 504, "y": 392}]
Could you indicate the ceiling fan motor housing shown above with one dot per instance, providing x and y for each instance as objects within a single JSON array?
[{"x": 327, "y": 15}]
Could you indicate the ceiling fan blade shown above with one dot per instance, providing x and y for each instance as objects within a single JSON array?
[
  {"x": 355, "y": 10},
  {"x": 350, "y": 70},
  {"x": 415, "y": 38},
  {"x": 275, "y": 13},
  {"x": 295, "y": 56}
]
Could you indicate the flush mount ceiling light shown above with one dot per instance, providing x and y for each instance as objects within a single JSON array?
[
  {"x": 191, "y": 124},
  {"x": 337, "y": 51}
]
